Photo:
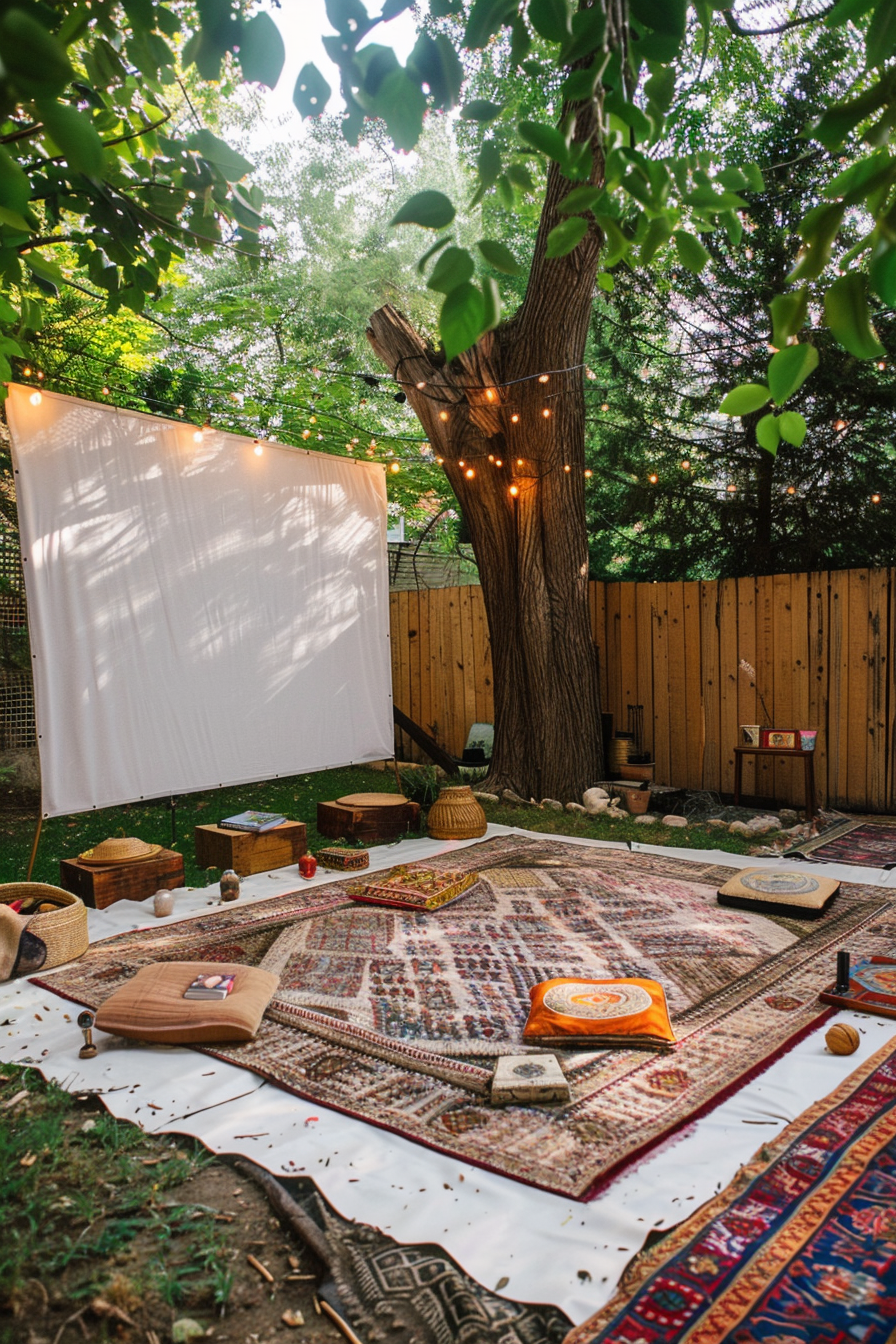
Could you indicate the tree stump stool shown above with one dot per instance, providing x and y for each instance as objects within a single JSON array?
[{"x": 369, "y": 817}]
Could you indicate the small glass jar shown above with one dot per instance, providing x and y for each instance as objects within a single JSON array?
[
  {"x": 307, "y": 865},
  {"x": 230, "y": 885},
  {"x": 163, "y": 903}
]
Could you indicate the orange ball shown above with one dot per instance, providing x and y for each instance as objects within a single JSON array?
[{"x": 841, "y": 1039}]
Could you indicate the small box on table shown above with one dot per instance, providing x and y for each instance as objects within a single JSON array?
[
  {"x": 99, "y": 886},
  {"x": 248, "y": 852}
]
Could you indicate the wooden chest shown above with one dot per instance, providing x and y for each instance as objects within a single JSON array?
[
  {"x": 102, "y": 886},
  {"x": 245, "y": 852},
  {"x": 347, "y": 821}
]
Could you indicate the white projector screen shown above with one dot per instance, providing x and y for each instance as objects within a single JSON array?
[{"x": 199, "y": 615}]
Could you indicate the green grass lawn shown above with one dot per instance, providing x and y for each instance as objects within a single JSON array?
[{"x": 297, "y": 798}]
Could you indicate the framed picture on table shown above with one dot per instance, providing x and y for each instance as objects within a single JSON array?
[{"x": 785, "y": 738}]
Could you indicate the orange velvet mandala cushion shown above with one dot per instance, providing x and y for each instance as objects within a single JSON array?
[
  {"x": 575, "y": 1013},
  {"x": 152, "y": 1007}
]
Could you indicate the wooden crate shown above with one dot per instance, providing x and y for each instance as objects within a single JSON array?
[
  {"x": 343, "y": 821},
  {"x": 102, "y": 886},
  {"x": 246, "y": 852}
]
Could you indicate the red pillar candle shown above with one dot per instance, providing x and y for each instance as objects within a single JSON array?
[{"x": 307, "y": 865}]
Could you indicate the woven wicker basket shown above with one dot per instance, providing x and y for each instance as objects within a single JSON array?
[
  {"x": 63, "y": 928},
  {"x": 456, "y": 815}
]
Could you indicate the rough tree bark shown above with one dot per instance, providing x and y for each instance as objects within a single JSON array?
[{"x": 508, "y": 420}]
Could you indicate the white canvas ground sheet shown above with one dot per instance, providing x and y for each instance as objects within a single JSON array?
[
  {"x": 494, "y": 1227},
  {"x": 199, "y": 615}
]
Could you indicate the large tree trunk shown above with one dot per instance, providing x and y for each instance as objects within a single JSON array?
[{"x": 508, "y": 418}]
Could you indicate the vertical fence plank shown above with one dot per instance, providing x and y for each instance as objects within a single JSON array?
[
  {"x": 662, "y": 705},
  {"x": 678, "y": 742},
  {"x": 891, "y": 697},
  {"x": 628, "y": 653},
  {"x": 787, "y": 789},
  {"x": 467, "y": 664},
  {"x": 819, "y": 670},
  {"x": 728, "y": 679},
  {"x": 748, "y": 710},
  {"x": 643, "y": 599},
  {"x": 693, "y": 689},
  {"x": 597, "y": 603},
  {"x": 482, "y": 661},
  {"x": 614, "y": 656},
  {"x": 857, "y": 698},
  {"x": 765, "y": 676},
  {"x": 709, "y": 645},
  {"x": 401, "y": 693},
  {"x": 878, "y": 671},
  {"x": 838, "y": 682}
]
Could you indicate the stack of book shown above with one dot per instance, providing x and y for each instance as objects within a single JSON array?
[{"x": 253, "y": 821}]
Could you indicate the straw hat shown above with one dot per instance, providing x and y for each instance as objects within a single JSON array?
[{"x": 120, "y": 850}]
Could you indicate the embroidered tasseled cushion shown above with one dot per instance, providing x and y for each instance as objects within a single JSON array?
[
  {"x": 779, "y": 891},
  {"x": 152, "y": 1007},
  {"x": 577, "y": 1013}
]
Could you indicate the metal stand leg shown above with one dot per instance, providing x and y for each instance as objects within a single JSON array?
[{"x": 40, "y": 822}]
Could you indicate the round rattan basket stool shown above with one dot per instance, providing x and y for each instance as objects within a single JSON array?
[
  {"x": 456, "y": 814},
  {"x": 62, "y": 926}
]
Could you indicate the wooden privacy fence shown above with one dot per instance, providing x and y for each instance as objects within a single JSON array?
[{"x": 821, "y": 645}]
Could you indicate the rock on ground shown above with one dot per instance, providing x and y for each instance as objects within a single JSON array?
[
  {"x": 576, "y": 808},
  {"x": 672, "y": 820},
  {"x": 552, "y": 804}
]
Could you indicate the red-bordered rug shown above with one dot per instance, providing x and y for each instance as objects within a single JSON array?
[
  {"x": 395, "y": 1017},
  {"x": 799, "y": 1249}
]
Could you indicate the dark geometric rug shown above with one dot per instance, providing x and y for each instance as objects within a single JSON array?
[
  {"x": 799, "y": 1249},
  {"x": 385, "y": 1290},
  {"x": 396, "y": 1017},
  {"x": 863, "y": 843}
]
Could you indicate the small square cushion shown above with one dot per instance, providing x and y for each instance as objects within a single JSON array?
[
  {"x": 152, "y": 1007},
  {"x": 779, "y": 891},
  {"x": 574, "y": 1013}
]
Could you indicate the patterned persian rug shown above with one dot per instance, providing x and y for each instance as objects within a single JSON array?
[
  {"x": 800, "y": 1248},
  {"x": 863, "y": 843},
  {"x": 396, "y": 1017}
]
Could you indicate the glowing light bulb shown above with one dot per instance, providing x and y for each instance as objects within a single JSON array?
[
  {"x": 544, "y": 377},
  {"x": 469, "y": 473},
  {"x": 491, "y": 457},
  {"x": 461, "y": 463},
  {"x": 546, "y": 412},
  {"x": 26, "y": 372},
  {"x": 40, "y": 375},
  {"x": 519, "y": 461},
  {"x": 514, "y": 419},
  {"x": 180, "y": 410},
  {"x": 35, "y": 398},
  {"x": 731, "y": 489},
  {"x": 875, "y": 499},
  {"x": 498, "y": 462},
  {"x": 441, "y": 461},
  {"x": 490, "y": 393},
  {"x": 589, "y": 373},
  {"x": 394, "y": 467},
  {"x": 420, "y": 387},
  {"x": 882, "y": 364},
  {"x": 686, "y": 465},
  {"x": 605, "y": 406},
  {"x": 566, "y": 468},
  {"x": 105, "y": 390},
  {"x": 839, "y": 424},
  {"x": 443, "y": 415},
  {"x": 653, "y": 478},
  {"x": 514, "y": 490},
  {"x": 312, "y": 420},
  {"x": 791, "y": 489},
  {"x": 258, "y": 449},
  {"x": 306, "y": 433},
  {"x": 588, "y": 472}
]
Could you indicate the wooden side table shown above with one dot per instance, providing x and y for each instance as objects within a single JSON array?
[{"x": 794, "y": 753}]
